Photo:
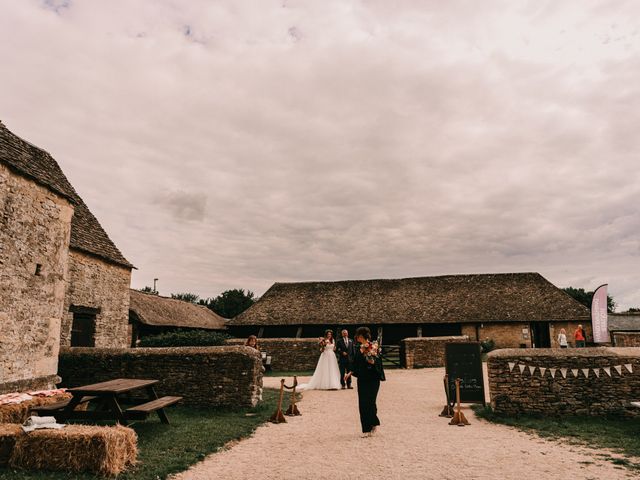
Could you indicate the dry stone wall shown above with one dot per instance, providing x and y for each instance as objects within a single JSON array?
[
  {"x": 420, "y": 352},
  {"x": 204, "y": 376},
  {"x": 626, "y": 339},
  {"x": 35, "y": 226},
  {"x": 288, "y": 354},
  {"x": 96, "y": 284},
  {"x": 515, "y": 390}
]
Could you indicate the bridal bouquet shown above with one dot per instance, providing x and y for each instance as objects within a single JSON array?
[
  {"x": 370, "y": 350},
  {"x": 322, "y": 343}
]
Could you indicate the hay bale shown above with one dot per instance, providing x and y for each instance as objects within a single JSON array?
[
  {"x": 9, "y": 432},
  {"x": 18, "y": 413},
  {"x": 77, "y": 448}
]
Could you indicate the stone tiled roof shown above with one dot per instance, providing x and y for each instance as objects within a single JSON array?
[
  {"x": 503, "y": 297},
  {"x": 627, "y": 322},
  {"x": 170, "y": 312},
  {"x": 87, "y": 235}
]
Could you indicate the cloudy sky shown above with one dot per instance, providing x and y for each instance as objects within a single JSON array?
[{"x": 236, "y": 143}]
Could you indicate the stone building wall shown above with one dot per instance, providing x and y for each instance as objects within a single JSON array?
[
  {"x": 288, "y": 354},
  {"x": 204, "y": 376},
  {"x": 423, "y": 352},
  {"x": 626, "y": 339},
  {"x": 514, "y": 392},
  {"x": 512, "y": 334},
  {"x": 97, "y": 284},
  {"x": 35, "y": 225}
]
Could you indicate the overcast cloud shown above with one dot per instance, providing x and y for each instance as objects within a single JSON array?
[{"x": 234, "y": 144}]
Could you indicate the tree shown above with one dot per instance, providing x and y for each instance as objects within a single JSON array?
[
  {"x": 186, "y": 297},
  {"x": 633, "y": 310},
  {"x": 149, "y": 290},
  {"x": 231, "y": 302},
  {"x": 585, "y": 298}
]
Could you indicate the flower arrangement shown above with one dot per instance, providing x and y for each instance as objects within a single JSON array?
[
  {"x": 323, "y": 343},
  {"x": 370, "y": 350}
]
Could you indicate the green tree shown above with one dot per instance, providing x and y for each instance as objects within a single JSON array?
[
  {"x": 585, "y": 298},
  {"x": 186, "y": 297},
  {"x": 231, "y": 302},
  {"x": 633, "y": 310},
  {"x": 149, "y": 290}
]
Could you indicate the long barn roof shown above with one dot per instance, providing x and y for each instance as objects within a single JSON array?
[
  {"x": 504, "y": 297},
  {"x": 87, "y": 235}
]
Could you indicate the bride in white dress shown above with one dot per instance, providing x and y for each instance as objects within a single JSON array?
[{"x": 327, "y": 373}]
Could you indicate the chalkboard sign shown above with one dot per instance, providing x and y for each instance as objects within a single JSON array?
[{"x": 464, "y": 361}]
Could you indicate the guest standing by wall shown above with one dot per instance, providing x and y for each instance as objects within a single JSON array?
[
  {"x": 578, "y": 336},
  {"x": 562, "y": 338}
]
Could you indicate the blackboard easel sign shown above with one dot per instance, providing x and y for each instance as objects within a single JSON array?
[{"x": 464, "y": 361}]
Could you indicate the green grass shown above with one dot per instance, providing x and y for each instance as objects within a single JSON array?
[
  {"x": 617, "y": 434},
  {"x": 304, "y": 373},
  {"x": 192, "y": 435}
]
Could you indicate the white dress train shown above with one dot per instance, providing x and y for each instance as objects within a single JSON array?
[{"x": 327, "y": 373}]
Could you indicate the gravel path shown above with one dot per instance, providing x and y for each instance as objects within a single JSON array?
[{"x": 412, "y": 443}]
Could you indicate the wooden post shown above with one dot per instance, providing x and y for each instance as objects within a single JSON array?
[
  {"x": 278, "y": 417},
  {"x": 447, "y": 411},
  {"x": 458, "y": 418},
  {"x": 293, "y": 411}
]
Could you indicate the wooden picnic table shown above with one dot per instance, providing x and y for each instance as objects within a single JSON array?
[{"x": 107, "y": 406}]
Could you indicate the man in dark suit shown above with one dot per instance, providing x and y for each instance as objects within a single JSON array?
[
  {"x": 369, "y": 373},
  {"x": 344, "y": 351}
]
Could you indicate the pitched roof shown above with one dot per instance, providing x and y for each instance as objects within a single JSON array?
[
  {"x": 160, "y": 311},
  {"x": 87, "y": 234},
  {"x": 501, "y": 297},
  {"x": 624, "y": 322}
]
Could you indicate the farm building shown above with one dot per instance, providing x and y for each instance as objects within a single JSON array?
[
  {"x": 151, "y": 314},
  {"x": 624, "y": 329},
  {"x": 513, "y": 309},
  {"x": 63, "y": 281}
]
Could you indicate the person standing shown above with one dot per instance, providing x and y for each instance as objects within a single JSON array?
[
  {"x": 369, "y": 372},
  {"x": 578, "y": 336},
  {"x": 344, "y": 350},
  {"x": 562, "y": 338}
]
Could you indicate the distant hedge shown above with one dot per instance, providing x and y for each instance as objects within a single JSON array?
[{"x": 185, "y": 338}]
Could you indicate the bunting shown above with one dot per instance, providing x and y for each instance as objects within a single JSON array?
[
  {"x": 607, "y": 370},
  {"x": 585, "y": 371},
  {"x": 532, "y": 369},
  {"x": 572, "y": 372},
  {"x": 552, "y": 371},
  {"x": 575, "y": 372},
  {"x": 629, "y": 367}
]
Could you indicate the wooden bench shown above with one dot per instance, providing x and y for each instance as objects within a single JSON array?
[
  {"x": 53, "y": 407},
  {"x": 141, "y": 412}
]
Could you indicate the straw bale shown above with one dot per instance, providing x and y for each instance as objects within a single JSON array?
[
  {"x": 9, "y": 432},
  {"x": 77, "y": 448}
]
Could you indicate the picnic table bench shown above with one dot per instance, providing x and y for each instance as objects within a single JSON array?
[{"x": 107, "y": 407}]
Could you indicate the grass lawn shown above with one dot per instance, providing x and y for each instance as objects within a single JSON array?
[
  {"x": 192, "y": 435},
  {"x": 305, "y": 373},
  {"x": 619, "y": 435}
]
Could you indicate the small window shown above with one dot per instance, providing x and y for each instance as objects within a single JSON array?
[{"x": 83, "y": 330}]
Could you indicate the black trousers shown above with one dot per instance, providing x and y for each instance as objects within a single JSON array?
[
  {"x": 367, "y": 394},
  {"x": 344, "y": 369}
]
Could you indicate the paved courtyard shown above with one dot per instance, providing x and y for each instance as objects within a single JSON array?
[{"x": 413, "y": 443}]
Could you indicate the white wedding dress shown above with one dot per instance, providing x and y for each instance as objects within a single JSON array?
[{"x": 327, "y": 373}]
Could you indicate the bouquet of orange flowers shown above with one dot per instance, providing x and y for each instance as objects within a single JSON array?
[
  {"x": 370, "y": 350},
  {"x": 322, "y": 343}
]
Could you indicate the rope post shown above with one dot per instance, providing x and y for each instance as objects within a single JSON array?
[
  {"x": 458, "y": 418},
  {"x": 293, "y": 411},
  {"x": 447, "y": 411},
  {"x": 278, "y": 417}
]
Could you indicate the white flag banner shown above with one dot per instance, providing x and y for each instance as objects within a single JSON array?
[
  {"x": 553, "y": 371},
  {"x": 586, "y": 372},
  {"x": 628, "y": 367},
  {"x": 512, "y": 365},
  {"x": 596, "y": 371},
  {"x": 599, "y": 319},
  {"x": 531, "y": 370},
  {"x": 618, "y": 369},
  {"x": 521, "y": 367},
  {"x": 575, "y": 372},
  {"x": 607, "y": 370},
  {"x": 563, "y": 371},
  {"x": 542, "y": 370}
]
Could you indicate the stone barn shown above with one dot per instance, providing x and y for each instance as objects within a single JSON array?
[
  {"x": 151, "y": 314},
  {"x": 61, "y": 278},
  {"x": 513, "y": 309}
]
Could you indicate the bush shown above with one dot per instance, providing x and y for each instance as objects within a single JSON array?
[
  {"x": 185, "y": 338},
  {"x": 487, "y": 345}
]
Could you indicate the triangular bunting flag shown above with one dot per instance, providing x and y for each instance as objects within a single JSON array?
[
  {"x": 628, "y": 367},
  {"x": 531, "y": 370},
  {"x": 607, "y": 370},
  {"x": 586, "y": 372},
  {"x": 542, "y": 370},
  {"x": 512, "y": 366},
  {"x": 575, "y": 372},
  {"x": 596, "y": 371},
  {"x": 563, "y": 371},
  {"x": 553, "y": 371},
  {"x": 618, "y": 369},
  {"x": 521, "y": 367}
]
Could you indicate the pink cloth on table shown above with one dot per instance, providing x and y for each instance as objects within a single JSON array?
[
  {"x": 47, "y": 393},
  {"x": 14, "y": 398}
]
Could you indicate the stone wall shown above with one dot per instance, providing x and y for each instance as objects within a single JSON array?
[
  {"x": 626, "y": 339},
  {"x": 420, "y": 352},
  {"x": 204, "y": 376},
  {"x": 288, "y": 354},
  {"x": 514, "y": 392},
  {"x": 97, "y": 284},
  {"x": 515, "y": 334},
  {"x": 35, "y": 226}
]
